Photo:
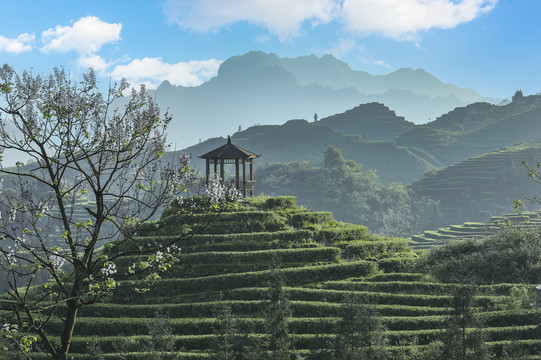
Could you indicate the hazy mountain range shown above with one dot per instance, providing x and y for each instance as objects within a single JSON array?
[{"x": 260, "y": 88}]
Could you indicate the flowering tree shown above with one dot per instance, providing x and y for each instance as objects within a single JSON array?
[{"x": 85, "y": 154}]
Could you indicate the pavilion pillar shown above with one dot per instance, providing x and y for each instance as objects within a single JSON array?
[
  {"x": 244, "y": 177},
  {"x": 215, "y": 167},
  {"x": 237, "y": 174},
  {"x": 252, "y": 176},
  {"x": 208, "y": 170},
  {"x": 222, "y": 171}
]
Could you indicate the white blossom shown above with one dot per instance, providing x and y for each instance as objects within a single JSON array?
[
  {"x": 19, "y": 241},
  {"x": 57, "y": 260},
  {"x": 6, "y": 327},
  {"x": 43, "y": 206},
  {"x": 10, "y": 255},
  {"x": 13, "y": 215},
  {"x": 217, "y": 190},
  {"x": 109, "y": 269}
]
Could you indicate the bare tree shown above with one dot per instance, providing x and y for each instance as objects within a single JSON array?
[{"x": 85, "y": 155}]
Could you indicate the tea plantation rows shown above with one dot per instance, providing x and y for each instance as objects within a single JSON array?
[
  {"x": 480, "y": 187},
  {"x": 321, "y": 263},
  {"x": 528, "y": 220}
]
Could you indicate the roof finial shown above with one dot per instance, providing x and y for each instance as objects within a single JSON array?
[{"x": 229, "y": 139}]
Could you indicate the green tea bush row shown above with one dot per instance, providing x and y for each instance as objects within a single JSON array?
[
  {"x": 375, "y": 249},
  {"x": 245, "y": 307},
  {"x": 139, "y": 326},
  {"x": 286, "y": 235},
  {"x": 523, "y": 347},
  {"x": 398, "y": 264},
  {"x": 111, "y": 344},
  {"x": 233, "y": 222},
  {"x": 412, "y": 287},
  {"x": 183, "y": 310},
  {"x": 298, "y": 255},
  {"x": 202, "y": 270},
  {"x": 338, "y": 296},
  {"x": 293, "y": 276},
  {"x": 201, "y": 326},
  {"x": 274, "y": 202},
  {"x": 504, "y": 318},
  {"x": 329, "y": 309},
  {"x": 341, "y": 233},
  {"x": 399, "y": 276},
  {"x": 249, "y": 246},
  {"x": 198, "y": 239},
  {"x": 313, "y": 342},
  {"x": 299, "y": 220}
]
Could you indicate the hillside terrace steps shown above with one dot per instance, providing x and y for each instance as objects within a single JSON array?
[
  {"x": 410, "y": 304},
  {"x": 530, "y": 220}
]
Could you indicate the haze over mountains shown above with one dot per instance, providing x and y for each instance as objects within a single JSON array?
[
  {"x": 260, "y": 88},
  {"x": 400, "y": 151}
]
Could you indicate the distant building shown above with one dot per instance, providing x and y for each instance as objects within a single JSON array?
[{"x": 232, "y": 154}]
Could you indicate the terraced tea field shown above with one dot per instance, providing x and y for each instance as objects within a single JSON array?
[
  {"x": 529, "y": 220},
  {"x": 480, "y": 187},
  {"x": 323, "y": 263}
]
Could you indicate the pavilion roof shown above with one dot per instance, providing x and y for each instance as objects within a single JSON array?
[{"x": 229, "y": 151}]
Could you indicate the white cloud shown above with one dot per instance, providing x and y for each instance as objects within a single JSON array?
[
  {"x": 86, "y": 36},
  {"x": 404, "y": 19},
  {"x": 20, "y": 44},
  {"x": 152, "y": 71},
  {"x": 382, "y": 63},
  {"x": 397, "y": 19},
  {"x": 93, "y": 61},
  {"x": 283, "y": 18}
]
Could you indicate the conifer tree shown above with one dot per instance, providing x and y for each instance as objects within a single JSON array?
[
  {"x": 277, "y": 313},
  {"x": 359, "y": 333},
  {"x": 463, "y": 338},
  {"x": 226, "y": 345}
]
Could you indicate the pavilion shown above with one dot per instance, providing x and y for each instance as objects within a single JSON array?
[{"x": 232, "y": 154}]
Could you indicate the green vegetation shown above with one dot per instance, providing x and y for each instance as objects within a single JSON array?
[
  {"x": 458, "y": 160},
  {"x": 478, "y": 188},
  {"x": 351, "y": 194},
  {"x": 509, "y": 256},
  {"x": 317, "y": 289}
]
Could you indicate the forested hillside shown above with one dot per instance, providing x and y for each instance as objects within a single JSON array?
[
  {"x": 300, "y": 140},
  {"x": 457, "y": 161},
  {"x": 353, "y": 195}
]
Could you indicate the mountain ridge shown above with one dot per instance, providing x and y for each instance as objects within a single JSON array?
[{"x": 263, "y": 88}]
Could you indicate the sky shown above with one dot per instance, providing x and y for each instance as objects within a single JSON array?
[{"x": 492, "y": 46}]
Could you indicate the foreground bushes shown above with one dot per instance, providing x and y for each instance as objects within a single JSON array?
[{"x": 508, "y": 257}]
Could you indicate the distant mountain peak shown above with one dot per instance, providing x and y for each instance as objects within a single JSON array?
[
  {"x": 259, "y": 87},
  {"x": 250, "y": 62}
]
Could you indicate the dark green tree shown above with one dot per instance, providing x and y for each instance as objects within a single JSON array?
[
  {"x": 518, "y": 96},
  {"x": 332, "y": 157},
  {"x": 277, "y": 313},
  {"x": 463, "y": 337},
  {"x": 359, "y": 333},
  {"x": 226, "y": 345}
]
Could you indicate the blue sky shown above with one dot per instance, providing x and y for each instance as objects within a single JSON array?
[{"x": 493, "y": 46}]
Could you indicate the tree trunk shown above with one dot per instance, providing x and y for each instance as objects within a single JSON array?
[{"x": 67, "y": 333}]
